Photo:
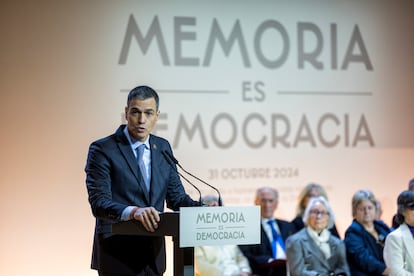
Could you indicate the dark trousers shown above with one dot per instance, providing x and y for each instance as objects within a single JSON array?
[{"x": 145, "y": 272}]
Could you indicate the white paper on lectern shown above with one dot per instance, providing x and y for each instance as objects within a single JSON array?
[{"x": 219, "y": 225}]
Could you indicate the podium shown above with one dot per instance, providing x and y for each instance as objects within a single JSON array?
[
  {"x": 168, "y": 226},
  {"x": 198, "y": 226}
]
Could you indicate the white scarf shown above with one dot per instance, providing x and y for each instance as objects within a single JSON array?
[{"x": 321, "y": 240}]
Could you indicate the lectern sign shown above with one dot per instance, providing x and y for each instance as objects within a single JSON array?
[{"x": 219, "y": 225}]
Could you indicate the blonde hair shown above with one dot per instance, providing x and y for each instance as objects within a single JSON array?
[{"x": 300, "y": 209}]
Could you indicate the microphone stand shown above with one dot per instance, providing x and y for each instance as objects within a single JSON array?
[{"x": 220, "y": 202}]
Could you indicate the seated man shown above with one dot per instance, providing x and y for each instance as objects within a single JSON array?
[{"x": 269, "y": 257}]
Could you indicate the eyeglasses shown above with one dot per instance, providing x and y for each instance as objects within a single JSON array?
[{"x": 317, "y": 213}]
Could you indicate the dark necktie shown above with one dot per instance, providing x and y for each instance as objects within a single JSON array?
[
  {"x": 140, "y": 154},
  {"x": 277, "y": 239}
]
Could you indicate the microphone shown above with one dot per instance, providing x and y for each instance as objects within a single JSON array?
[
  {"x": 172, "y": 158},
  {"x": 171, "y": 162}
]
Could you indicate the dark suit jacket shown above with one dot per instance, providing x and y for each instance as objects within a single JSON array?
[
  {"x": 114, "y": 182},
  {"x": 364, "y": 253},
  {"x": 306, "y": 259},
  {"x": 259, "y": 254}
]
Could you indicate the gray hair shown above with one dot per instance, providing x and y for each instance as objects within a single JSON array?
[
  {"x": 359, "y": 197},
  {"x": 325, "y": 202},
  {"x": 262, "y": 190},
  {"x": 209, "y": 198}
]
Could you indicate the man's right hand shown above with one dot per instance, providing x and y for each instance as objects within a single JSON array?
[{"x": 148, "y": 216}]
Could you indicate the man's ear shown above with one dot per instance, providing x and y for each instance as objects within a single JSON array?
[{"x": 126, "y": 113}]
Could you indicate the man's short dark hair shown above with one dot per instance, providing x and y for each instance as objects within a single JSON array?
[{"x": 143, "y": 92}]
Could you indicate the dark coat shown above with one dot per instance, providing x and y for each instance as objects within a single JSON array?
[
  {"x": 114, "y": 181},
  {"x": 259, "y": 254},
  {"x": 364, "y": 253}
]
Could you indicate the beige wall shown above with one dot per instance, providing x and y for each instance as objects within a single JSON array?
[{"x": 61, "y": 87}]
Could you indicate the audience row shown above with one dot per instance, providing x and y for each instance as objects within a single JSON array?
[{"x": 311, "y": 245}]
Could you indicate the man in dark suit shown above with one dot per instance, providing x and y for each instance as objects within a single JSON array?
[
  {"x": 269, "y": 257},
  {"x": 124, "y": 183}
]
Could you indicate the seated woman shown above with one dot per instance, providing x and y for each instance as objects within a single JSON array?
[
  {"x": 364, "y": 238},
  {"x": 399, "y": 245},
  {"x": 310, "y": 190},
  {"x": 314, "y": 250}
]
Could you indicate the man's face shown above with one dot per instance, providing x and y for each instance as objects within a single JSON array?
[
  {"x": 141, "y": 116},
  {"x": 268, "y": 203}
]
